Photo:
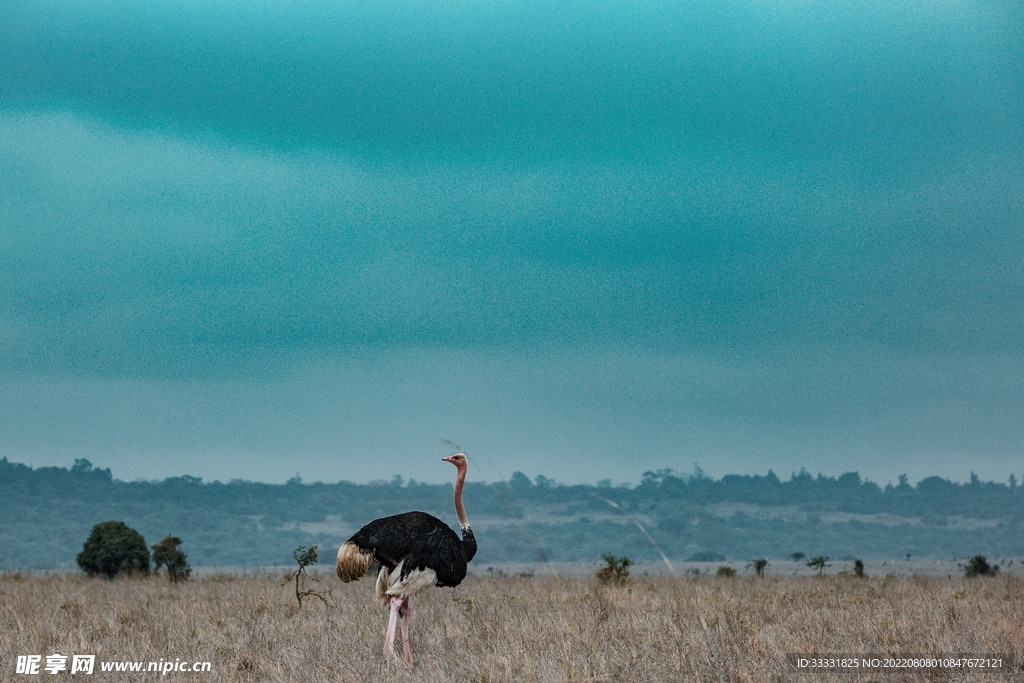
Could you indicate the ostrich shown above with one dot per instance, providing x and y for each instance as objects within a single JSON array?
[{"x": 415, "y": 551}]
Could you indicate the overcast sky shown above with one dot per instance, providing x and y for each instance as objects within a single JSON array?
[{"x": 581, "y": 239}]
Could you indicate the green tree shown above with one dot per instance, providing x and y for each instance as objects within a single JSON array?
[
  {"x": 616, "y": 570},
  {"x": 114, "y": 548},
  {"x": 979, "y": 566},
  {"x": 819, "y": 563},
  {"x": 167, "y": 554},
  {"x": 759, "y": 566}
]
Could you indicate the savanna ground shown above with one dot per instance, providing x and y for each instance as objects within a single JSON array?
[{"x": 498, "y": 628}]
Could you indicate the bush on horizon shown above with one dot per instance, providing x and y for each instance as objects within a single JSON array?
[
  {"x": 166, "y": 554},
  {"x": 114, "y": 548}
]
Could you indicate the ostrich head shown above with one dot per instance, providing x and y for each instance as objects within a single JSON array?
[{"x": 457, "y": 459}]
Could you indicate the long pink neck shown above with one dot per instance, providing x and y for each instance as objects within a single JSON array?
[{"x": 459, "y": 510}]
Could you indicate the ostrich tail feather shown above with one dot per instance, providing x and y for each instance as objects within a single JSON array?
[{"x": 353, "y": 562}]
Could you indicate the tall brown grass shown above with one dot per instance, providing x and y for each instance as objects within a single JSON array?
[{"x": 511, "y": 629}]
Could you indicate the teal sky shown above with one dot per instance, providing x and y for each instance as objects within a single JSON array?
[{"x": 581, "y": 239}]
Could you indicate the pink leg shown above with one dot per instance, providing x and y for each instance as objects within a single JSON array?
[
  {"x": 405, "y": 611},
  {"x": 389, "y": 639}
]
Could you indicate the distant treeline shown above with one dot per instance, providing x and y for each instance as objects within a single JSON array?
[
  {"x": 847, "y": 493},
  {"x": 850, "y": 493},
  {"x": 46, "y": 513}
]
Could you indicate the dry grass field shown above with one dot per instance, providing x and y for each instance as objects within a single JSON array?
[{"x": 511, "y": 628}]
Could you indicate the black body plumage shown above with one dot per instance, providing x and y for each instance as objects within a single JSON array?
[{"x": 423, "y": 541}]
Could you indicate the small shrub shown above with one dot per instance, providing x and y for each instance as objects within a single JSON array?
[
  {"x": 819, "y": 563},
  {"x": 166, "y": 554},
  {"x": 726, "y": 571},
  {"x": 979, "y": 566},
  {"x": 858, "y": 569},
  {"x": 114, "y": 548},
  {"x": 307, "y": 557},
  {"x": 616, "y": 569}
]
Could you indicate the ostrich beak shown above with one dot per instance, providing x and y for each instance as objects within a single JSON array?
[{"x": 449, "y": 459}]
